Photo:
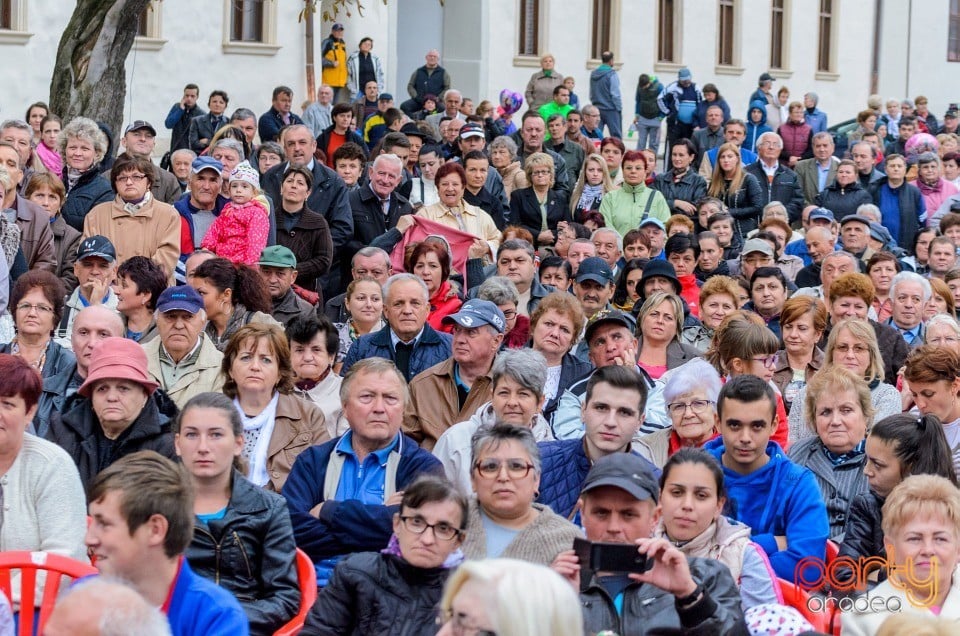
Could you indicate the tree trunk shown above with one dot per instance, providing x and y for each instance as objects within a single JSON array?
[{"x": 89, "y": 75}]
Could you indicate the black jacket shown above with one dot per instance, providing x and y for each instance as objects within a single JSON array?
[
  {"x": 863, "y": 536},
  {"x": 843, "y": 201},
  {"x": 489, "y": 204},
  {"x": 908, "y": 198},
  {"x": 373, "y": 593},
  {"x": 809, "y": 276},
  {"x": 75, "y": 430},
  {"x": 370, "y": 227},
  {"x": 310, "y": 239},
  {"x": 525, "y": 211},
  {"x": 745, "y": 205},
  {"x": 251, "y": 552},
  {"x": 784, "y": 188},
  {"x": 89, "y": 190},
  {"x": 572, "y": 369},
  {"x": 690, "y": 188},
  {"x": 204, "y": 127}
]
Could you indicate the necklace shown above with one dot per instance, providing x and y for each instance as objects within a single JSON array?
[{"x": 37, "y": 364}]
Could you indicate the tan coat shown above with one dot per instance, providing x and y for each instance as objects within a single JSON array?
[
  {"x": 154, "y": 231},
  {"x": 204, "y": 376},
  {"x": 433, "y": 404},
  {"x": 475, "y": 220},
  {"x": 514, "y": 178},
  {"x": 297, "y": 426}
]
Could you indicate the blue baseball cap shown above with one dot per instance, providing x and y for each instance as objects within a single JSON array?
[
  {"x": 476, "y": 312},
  {"x": 684, "y": 74},
  {"x": 596, "y": 269},
  {"x": 821, "y": 214},
  {"x": 206, "y": 163},
  {"x": 182, "y": 297}
]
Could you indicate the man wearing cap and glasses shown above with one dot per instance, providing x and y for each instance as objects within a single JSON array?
[
  {"x": 183, "y": 361},
  {"x": 139, "y": 140},
  {"x": 95, "y": 269},
  {"x": 679, "y": 593},
  {"x": 278, "y": 266},
  {"x": 452, "y": 391}
]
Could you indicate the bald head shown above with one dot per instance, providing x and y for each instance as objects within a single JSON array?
[
  {"x": 102, "y": 607},
  {"x": 93, "y": 324}
]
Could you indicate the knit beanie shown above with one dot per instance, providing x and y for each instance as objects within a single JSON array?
[{"x": 245, "y": 172}]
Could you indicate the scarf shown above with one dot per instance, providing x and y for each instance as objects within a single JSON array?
[
  {"x": 73, "y": 175},
  {"x": 264, "y": 421},
  {"x": 927, "y": 190},
  {"x": 723, "y": 541},
  {"x": 132, "y": 207},
  {"x": 837, "y": 459},
  {"x": 393, "y": 549},
  {"x": 590, "y": 194},
  {"x": 306, "y": 384}
]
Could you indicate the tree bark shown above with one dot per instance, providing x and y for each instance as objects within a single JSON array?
[{"x": 89, "y": 75}]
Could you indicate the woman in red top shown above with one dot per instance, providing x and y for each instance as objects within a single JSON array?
[
  {"x": 430, "y": 261},
  {"x": 682, "y": 252}
]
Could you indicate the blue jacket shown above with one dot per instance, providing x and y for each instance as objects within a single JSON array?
[
  {"x": 345, "y": 526},
  {"x": 201, "y": 607},
  {"x": 564, "y": 467},
  {"x": 779, "y": 499},
  {"x": 605, "y": 88},
  {"x": 571, "y": 369},
  {"x": 89, "y": 190},
  {"x": 433, "y": 348},
  {"x": 816, "y": 119},
  {"x": 271, "y": 122},
  {"x": 701, "y": 121},
  {"x": 755, "y": 130}
]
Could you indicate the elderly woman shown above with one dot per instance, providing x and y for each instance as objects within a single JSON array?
[
  {"x": 921, "y": 519},
  {"x": 539, "y": 208},
  {"x": 454, "y": 212},
  {"x": 140, "y": 281},
  {"x": 518, "y": 380},
  {"x": 718, "y": 299},
  {"x": 83, "y": 146},
  {"x": 303, "y": 231},
  {"x": 555, "y": 325},
  {"x": 136, "y": 223},
  {"x": 802, "y": 322},
  {"x": 839, "y": 410},
  {"x": 227, "y": 151},
  {"x": 43, "y": 500},
  {"x": 363, "y": 302},
  {"x": 624, "y": 209},
  {"x": 543, "y": 82},
  {"x": 944, "y": 331},
  {"x": 314, "y": 343},
  {"x": 594, "y": 182},
  {"x": 503, "y": 157},
  {"x": 267, "y": 156},
  {"x": 690, "y": 393},
  {"x": 119, "y": 411},
  {"x": 36, "y": 302},
  {"x": 505, "y": 474},
  {"x": 430, "y": 262},
  {"x": 47, "y": 191},
  {"x": 852, "y": 344},
  {"x": 501, "y": 291},
  {"x": 242, "y": 537},
  {"x": 933, "y": 375},
  {"x": 401, "y": 585},
  {"x": 277, "y": 425},
  {"x": 659, "y": 324},
  {"x": 233, "y": 296}
]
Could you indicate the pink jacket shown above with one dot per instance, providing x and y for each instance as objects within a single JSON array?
[
  {"x": 240, "y": 233},
  {"x": 934, "y": 196}
]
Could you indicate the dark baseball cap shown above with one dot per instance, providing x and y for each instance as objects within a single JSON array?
[
  {"x": 140, "y": 124},
  {"x": 596, "y": 269},
  {"x": 476, "y": 312},
  {"x": 336, "y": 27},
  {"x": 385, "y": 97},
  {"x": 410, "y": 129},
  {"x": 182, "y": 297},
  {"x": 626, "y": 471},
  {"x": 609, "y": 316},
  {"x": 97, "y": 246},
  {"x": 822, "y": 214},
  {"x": 206, "y": 163},
  {"x": 766, "y": 77},
  {"x": 471, "y": 129},
  {"x": 950, "y": 114}
]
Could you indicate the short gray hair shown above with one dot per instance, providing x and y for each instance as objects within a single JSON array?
[
  {"x": 842, "y": 254},
  {"x": 696, "y": 374},
  {"x": 772, "y": 135},
  {"x": 490, "y": 437},
  {"x": 19, "y": 124},
  {"x": 945, "y": 319},
  {"x": 823, "y": 134},
  {"x": 774, "y": 205},
  {"x": 871, "y": 211},
  {"x": 368, "y": 251},
  {"x": 505, "y": 142},
  {"x": 526, "y": 367},
  {"x": 928, "y": 157},
  {"x": 402, "y": 277},
  {"x": 499, "y": 290},
  {"x": 230, "y": 144},
  {"x": 241, "y": 114},
  {"x": 590, "y": 109},
  {"x": 183, "y": 151},
  {"x": 609, "y": 230},
  {"x": 911, "y": 277},
  {"x": 452, "y": 91},
  {"x": 377, "y": 366},
  {"x": 87, "y": 129},
  {"x": 388, "y": 158},
  {"x": 121, "y": 606}
]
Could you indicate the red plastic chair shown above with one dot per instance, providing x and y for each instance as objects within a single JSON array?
[
  {"x": 796, "y": 597},
  {"x": 29, "y": 563},
  {"x": 307, "y": 578}
]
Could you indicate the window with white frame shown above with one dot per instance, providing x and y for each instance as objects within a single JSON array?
[
  {"x": 528, "y": 32},
  {"x": 825, "y": 37},
  {"x": 250, "y": 26},
  {"x": 778, "y": 34},
  {"x": 668, "y": 49},
  {"x": 953, "y": 33},
  {"x": 726, "y": 33}
]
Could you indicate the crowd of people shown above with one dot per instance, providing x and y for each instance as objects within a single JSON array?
[{"x": 441, "y": 347}]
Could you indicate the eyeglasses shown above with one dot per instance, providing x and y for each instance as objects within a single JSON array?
[
  {"x": 767, "y": 361},
  {"x": 418, "y": 525},
  {"x": 697, "y": 406},
  {"x": 509, "y": 314},
  {"x": 40, "y": 309},
  {"x": 460, "y": 625},
  {"x": 516, "y": 468},
  {"x": 131, "y": 178},
  {"x": 541, "y": 173},
  {"x": 857, "y": 349}
]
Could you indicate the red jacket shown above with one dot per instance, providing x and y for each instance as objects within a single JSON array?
[
  {"x": 690, "y": 292},
  {"x": 439, "y": 308},
  {"x": 796, "y": 139}
]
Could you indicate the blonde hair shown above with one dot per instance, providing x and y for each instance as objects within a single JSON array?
[
  {"x": 920, "y": 496},
  {"x": 582, "y": 179},
  {"x": 536, "y": 160},
  {"x": 832, "y": 380},
  {"x": 916, "y": 625},
  {"x": 718, "y": 187},
  {"x": 862, "y": 331},
  {"x": 523, "y": 598},
  {"x": 655, "y": 300}
]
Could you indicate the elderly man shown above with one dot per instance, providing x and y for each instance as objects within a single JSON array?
[
  {"x": 855, "y": 236},
  {"x": 594, "y": 285},
  {"x": 820, "y": 242},
  {"x": 407, "y": 340},
  {"x": 343, "y": 495},
  {"x": 36, "y": 237},
  {"x": 817, "y": 173},
  {"x": 369, "y": 262},
  {"x": 98, "y": 606},
  {"x": 318, "y": 115},
  {"x": 452, "y": 391},
  {"x": 909, "y": 292},
  {"x": 778, "y": 182},
  {"x": 183, "y": 361},
  {"x": 95, "y": 269},
  {"x": 452, "y": 99},
  {"x": 180, "y": 163},
  {"x": 378, "y": 207},
  {"x": 278, "y": 266},
  {"x": 139, "y": 140},
  {"x": 429, "y": 79},
  {"x": 19, "y": 134},
  {"x": 609, "y": 246},
  {"x": 201, "y": 206},
  {"x": 279, "y": 115},
  {"x": 833, "y": 265}
]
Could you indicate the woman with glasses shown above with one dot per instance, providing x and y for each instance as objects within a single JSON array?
[
  {"x": 504, "y": 519},
  {"x": 852, "y": 344},
  {"x": 539, "y": 208},
  {"x": 396, "y": 591},
  {"x": 944, "y": 331},
  {"x": 690, "y": 393},
  {"x": 502, "y": 292}
]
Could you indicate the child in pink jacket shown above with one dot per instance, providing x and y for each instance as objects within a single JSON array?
[{"x": 240, "y": 233}]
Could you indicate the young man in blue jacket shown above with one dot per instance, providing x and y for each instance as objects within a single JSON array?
[{"x": 778, "y": 499}]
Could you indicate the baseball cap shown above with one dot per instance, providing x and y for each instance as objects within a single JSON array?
[
  {"x": 606, "y": 316},
  {"x": 596, "y": 269},
  {"x": 653, "y": 221},
  {"x": 278, "y": 256},
  {"x": 97, "y": 246},
  {"x": 757, "y": 245},
  {"x": 206, "y": 163},
  {"x": 471, "y": 129},
  {"x": 385, "y": 97},
  {"x": 684, "y": 74},
  {"x": 766, "y": 77},
  {"x": 336, "y": 27},
  {"x": 140, "y": 124},
  {"x": 855, "y": 218},
  {"x": 951, "y": 114},
  {"x": 476, "y": 312},
  {"x": 182, "y": 297},
  {"x": 626, "y": 471},
  {"x": 821, "y": 214}
]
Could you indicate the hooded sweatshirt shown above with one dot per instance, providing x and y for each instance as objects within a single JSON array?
[
  {"x": 755, "y": 130},
  {"x": 778, "y": 499},
  {"x": 605, "y": 88}
]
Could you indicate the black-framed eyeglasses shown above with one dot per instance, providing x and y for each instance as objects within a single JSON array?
[
  {"x": 418, "y": 525},
  {"x": 461, "y": 624},
  {"x": 516, "y": 468},
  {"x": 697, "y": 406}
]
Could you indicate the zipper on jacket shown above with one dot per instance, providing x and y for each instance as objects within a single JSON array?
[
  {"x": 246, "y": 559},
  {"x": 216, "y": 549}
]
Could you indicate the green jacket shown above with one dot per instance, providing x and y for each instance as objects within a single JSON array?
[{"x": 623, "y": 209}]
